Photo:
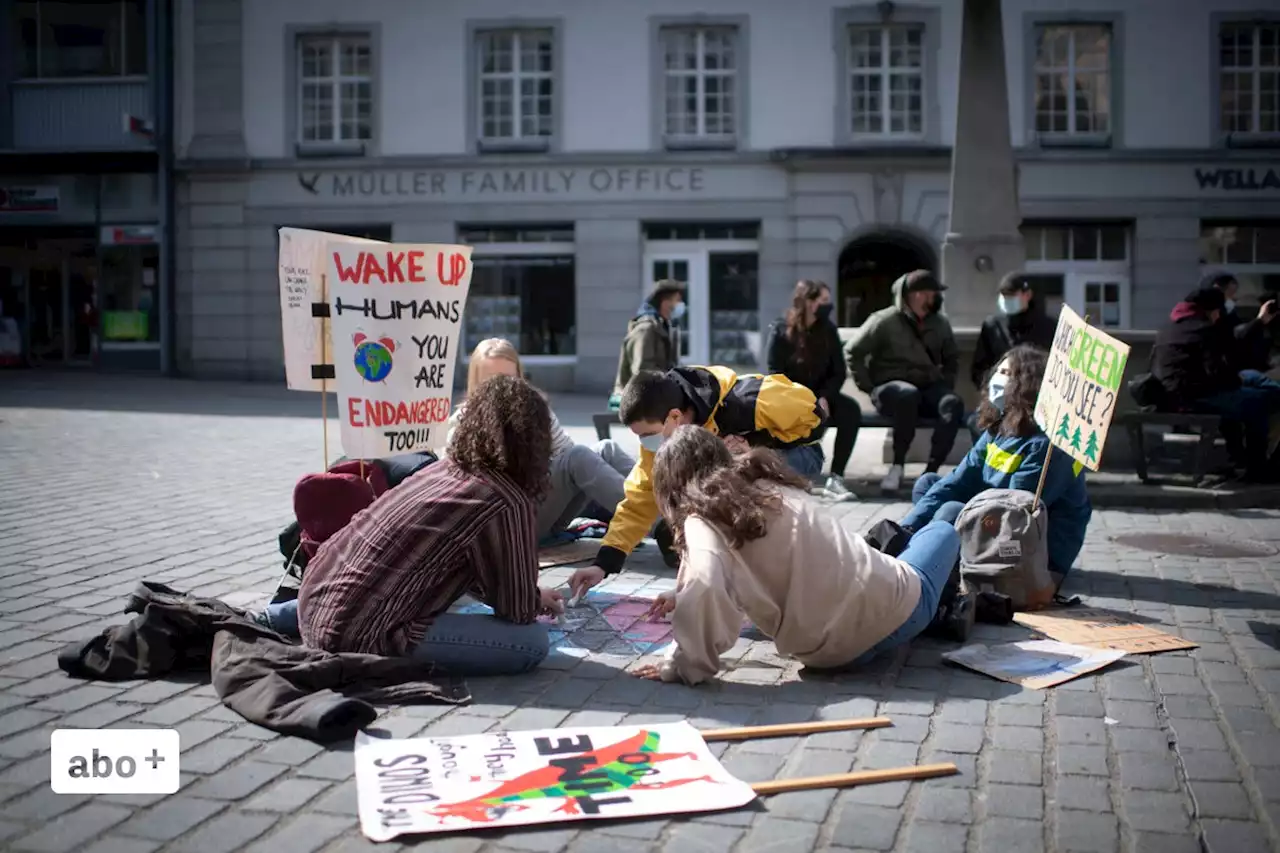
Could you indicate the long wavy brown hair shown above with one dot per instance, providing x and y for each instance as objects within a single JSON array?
[
  {"x": 695, "y": 474},
  {"x": 1026, "y": 372},
  {"x": 505, "y": 428},
  {"x": 808, "y": 341}
]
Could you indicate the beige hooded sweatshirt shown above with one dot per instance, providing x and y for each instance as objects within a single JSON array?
[{"x": 816, "y": 587}]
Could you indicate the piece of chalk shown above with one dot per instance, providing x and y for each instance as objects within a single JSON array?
[{"x": 576, "y": 600}]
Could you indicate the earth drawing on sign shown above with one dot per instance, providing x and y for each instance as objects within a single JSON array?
[{"x": 373, "y": 357}]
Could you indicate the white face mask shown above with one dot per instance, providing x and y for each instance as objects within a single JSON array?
[
  {"x": 995, "y": 390},
  {"x": 651, "y": 443},
  {"x": 1229, "y": 306},
  {"x": 1011, "y": 304},
  {"x": 678, "y": 311}
]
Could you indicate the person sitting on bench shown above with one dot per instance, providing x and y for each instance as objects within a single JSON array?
[
  {"x": 384, "y": 583},
  {"x": 749, "y": 410},
  {"x": 754, "y": 542},
  {"x": 1010, "y": 454},
  {"x": 583, "y": 478},
  {"x": 905, "y": 357}
]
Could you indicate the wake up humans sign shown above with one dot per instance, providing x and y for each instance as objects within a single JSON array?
[
  {"x": 395, "y": 312},
  {"x": 505, "y": 779},
  {"x": 1081, "y": 388}
]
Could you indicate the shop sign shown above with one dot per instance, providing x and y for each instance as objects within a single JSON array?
[
  {"x": 508, "y": 183},
  {"x": 1238, "y": 180},
  {"x": 127, "y": 235},
  {"x": 29, "y": 199}
]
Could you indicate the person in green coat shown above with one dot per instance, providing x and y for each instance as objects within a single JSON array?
[{"x": 653, "y": 339}]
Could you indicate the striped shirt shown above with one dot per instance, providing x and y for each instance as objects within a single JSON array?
[{"x": 375, "y": 586}]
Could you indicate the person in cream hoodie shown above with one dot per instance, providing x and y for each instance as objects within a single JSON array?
[{"x": 754, "y": 542}]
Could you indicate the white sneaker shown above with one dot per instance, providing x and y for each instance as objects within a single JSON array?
[{"x": 893, "y": 480}]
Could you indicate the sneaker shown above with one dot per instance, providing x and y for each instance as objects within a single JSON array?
[
  {"x": 836, "y": 490},
  {"x": 893, "y": 480}
]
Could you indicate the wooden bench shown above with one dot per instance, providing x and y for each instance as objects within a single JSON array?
[{"x": 1207, "y": 427}]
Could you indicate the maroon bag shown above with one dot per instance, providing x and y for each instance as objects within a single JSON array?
[{"x": 326, "y": 503}]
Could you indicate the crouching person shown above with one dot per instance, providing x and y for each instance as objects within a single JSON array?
[
  {"x": 1010, "y": 453},
  {"x": 754, "y": 542},
  {"x": 384, "y": 583}
]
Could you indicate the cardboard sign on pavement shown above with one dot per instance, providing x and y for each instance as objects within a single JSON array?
[{"x": 1101, "y": 629}]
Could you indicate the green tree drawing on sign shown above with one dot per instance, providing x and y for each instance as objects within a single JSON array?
[
  {"x": 1091, "y": 447},
  {"x": 1075, "y": 439},
  {"x": 1064, "y": 428}
]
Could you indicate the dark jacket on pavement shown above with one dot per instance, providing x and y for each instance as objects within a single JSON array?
[
  {"x": 823, "y": 371},
  {"x": 1192, "y": 357},
  {"x": 1002, "y": 332},
  {"x": 893, "y": 344},
  {"x": 651, "y": 344},
  {"x": 257, "y": 673}
]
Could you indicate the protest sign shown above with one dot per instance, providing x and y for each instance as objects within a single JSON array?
[
  {"x": 307, "y": 361},
  {"x": 396, "y": 314},
  {"x": 506, "y": 779},
  {"x": 1102, "y": 629},
  {"x": 1034, "y": 664},
  {"x": 1081, "y": 387}
]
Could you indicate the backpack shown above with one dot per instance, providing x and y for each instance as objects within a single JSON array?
[{"x": 1003, "y": 547}]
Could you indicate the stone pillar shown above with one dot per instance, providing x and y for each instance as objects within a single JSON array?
[
  {"x": 983, "y": 242},
  {"x": 218, "y": 66}
]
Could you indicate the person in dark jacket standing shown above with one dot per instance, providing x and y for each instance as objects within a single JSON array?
[
  {"x": 804, "y": 346},
  {"x": 905, "y": 357},
  {"x": 1194, "y": 360},
  {"x": 653, "y": 339}
]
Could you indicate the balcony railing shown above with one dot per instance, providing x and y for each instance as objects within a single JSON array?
[{"x": 79, "y": 115}]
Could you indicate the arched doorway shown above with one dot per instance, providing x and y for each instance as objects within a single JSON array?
[{"x": 867, "y": 268}]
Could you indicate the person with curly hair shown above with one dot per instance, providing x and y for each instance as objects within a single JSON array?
[
  {"x": 1010, "y": 453},
  {"x": 754, "y": 542},
  {"x": 383, "y": 584},
  {"x": 585, "y": 479}
]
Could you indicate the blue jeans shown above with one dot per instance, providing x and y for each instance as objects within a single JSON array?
[
  {"x": 1246, "y": 412},
  {"x": 932, "y": 553},
  {"x": 949, "y": 511},
  {"x": 806, "y": 460},
  {"x": 458, "y": 643}
]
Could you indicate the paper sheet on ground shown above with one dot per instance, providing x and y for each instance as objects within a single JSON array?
[
  {"x": 577, "y": 551},
  {"x": 1101, "y": 629},
  {"x": 1034, "y": 664},
  {"x": 505, "y": 779}
]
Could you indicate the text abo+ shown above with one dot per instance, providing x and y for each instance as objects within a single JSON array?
[
  {"x": 417, "y": 415},
  {"x": 392, "y": 267},
  {"x": 114, "y": 761}
]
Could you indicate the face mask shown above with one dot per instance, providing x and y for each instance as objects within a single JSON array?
[
  {"x": 1011, "y": 304},
  {"x": 823, "y": 313},
  {"x": 995, "y": 391},
  {"x": 651, "y": 443},
  {"x": 678, "y": 312},
  {"x": 1229, "y": 306}
]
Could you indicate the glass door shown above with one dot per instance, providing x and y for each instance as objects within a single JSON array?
[
  {"x": 733, "y": 282},
  {"x": 47, "y": 320},
  {"x": 690, "y": 268},
  {"x": 1103, "y": 297}
]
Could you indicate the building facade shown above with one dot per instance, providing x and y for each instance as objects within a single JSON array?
[
  {"x": 85, "y": 189},
  {"x": 586, "y": 150}
]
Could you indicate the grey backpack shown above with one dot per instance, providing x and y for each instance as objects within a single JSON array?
[{"x": 1003, "y": 547}]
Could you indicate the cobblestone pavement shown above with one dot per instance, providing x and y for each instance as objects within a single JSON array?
[{"x": 108, "y": 481}]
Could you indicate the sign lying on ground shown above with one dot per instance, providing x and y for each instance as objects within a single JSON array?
[
  {"x": 304, "y": 308},
  {"x": 1034, "y": 664},
  {"x": 1081, "y": 388},
  {"x": 1101, "y": 629},
  {"x": 506, "y": 779},
  {"x": 395, "y": 311}
]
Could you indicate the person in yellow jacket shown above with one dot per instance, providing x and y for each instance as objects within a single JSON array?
[{"x": 751, "y": 410}]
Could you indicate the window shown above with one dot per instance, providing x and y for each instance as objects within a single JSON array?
[
  {"x": 516, "y": 71},
  {"x": 523, "y": 288},
  {"x": 1248, "y": 250},
  {"x": 1249, "y": 81},
  {"x": 702, "y": 231},
  {"x": 700, "y": 73},
  {"x": 886, "y": 81},
  {"x": 67, "y": 39},
  {"x": 335, "y": 98},
  {"x": 1072, "y": 77},
  {"x": 1076, "y": 242},
  {"x": 1084, "y": 265}
]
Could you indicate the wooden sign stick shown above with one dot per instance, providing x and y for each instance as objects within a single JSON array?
[
  {"x": 858, "y": 777},
  {"x": 794, "y": 729}
]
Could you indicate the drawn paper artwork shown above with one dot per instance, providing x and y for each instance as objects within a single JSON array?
[
  {"x": 395, "y": 311},
  {"x": 307, "y": 361},
  {"x": 1081, "y": 387},
  {"x": 1034, "y": 664},
  {"x": 506, "y": 779}
]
